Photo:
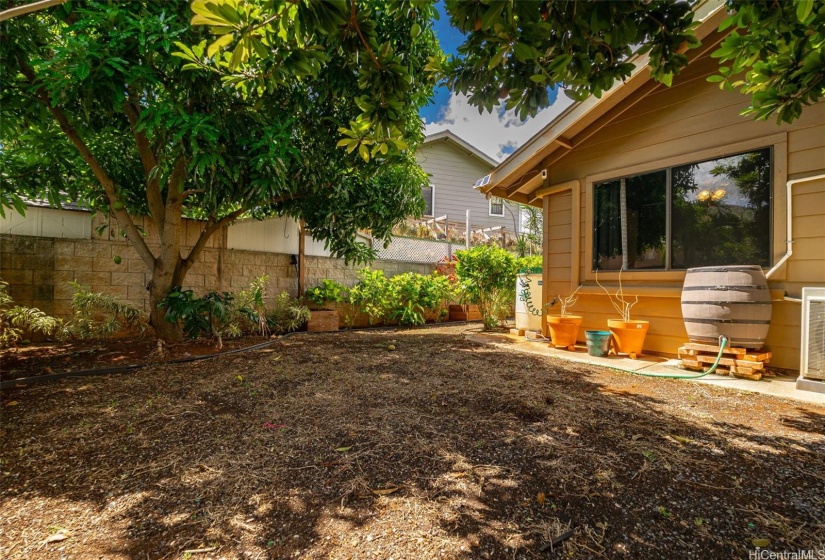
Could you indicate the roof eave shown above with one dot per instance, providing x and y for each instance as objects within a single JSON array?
[{"x": 450, "y": 136}]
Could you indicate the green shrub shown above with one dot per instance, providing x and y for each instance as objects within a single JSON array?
[
  {"x": 98, "y": 315},
  {"x": 370, "y": 295},
  {"x": 532, "y": 262},
  {"x": 327, "y": 292},
  {"x": 437, "y": 291},
  {"x": 250, "y": 308},
  {"x": 207, "y": 316},
  {"x": 221, "y": 315},
  {"x": 487, "y": 276},
  {"x": 287, "y": 314},
  {"x": 405, "y": 299},
  {"x": 15, "y": 321}
]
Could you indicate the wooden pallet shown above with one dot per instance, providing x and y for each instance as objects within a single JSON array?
[{"x": 737, "y": 362}]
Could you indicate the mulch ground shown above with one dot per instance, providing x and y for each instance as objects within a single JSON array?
[
  {"x": 45, "y": 358},
  {"x": 339, "y": 447}
]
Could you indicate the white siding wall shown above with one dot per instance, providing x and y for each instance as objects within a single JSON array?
[
  {"x": 47, "y": 222},
  {"x": 273, "y": 235},
  {"x": 453, "y": 172}
]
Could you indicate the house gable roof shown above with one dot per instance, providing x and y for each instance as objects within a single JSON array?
[
  {"x": 463, "y": 145},
  {"x": 507, "y": 180}
]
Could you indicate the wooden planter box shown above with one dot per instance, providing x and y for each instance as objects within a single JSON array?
[
  {"x": 323, "y": 320},
  {"x": 464, "y": 313}
]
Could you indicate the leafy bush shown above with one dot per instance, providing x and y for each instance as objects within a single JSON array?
[
  {"x": 250, "y": 307},
  {"x": 370, "y": 295},
  {"x": 221, "y": 315},
  {"x": 15, "y": 321},
  {"x": 530, "y": 262},
  {"x": 208, "y": 316},
  {"x": 327, "y": 292},
  {"x": 405, "y": 299},
  {"x": 487, "y": 276},
  {"x": 287, "y": 314},
  {"x": 411, "y": 296},
  {"x": 98, "y": 315},
  {"x": 437, "y": 292}
]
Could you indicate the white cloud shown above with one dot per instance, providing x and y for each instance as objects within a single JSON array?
[{"x": 497, "y": 134}]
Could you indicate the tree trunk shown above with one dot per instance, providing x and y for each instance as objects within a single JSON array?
[
  {"x": 164, "y": 277},
  {"x": 168, "y": 270}
]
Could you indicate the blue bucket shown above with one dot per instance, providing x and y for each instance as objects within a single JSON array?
[{"x": 598, "y": 342}]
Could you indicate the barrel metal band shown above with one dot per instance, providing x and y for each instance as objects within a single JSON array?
[
  {"x": 723, "y": 288},
  {"x": 726, "y": 303},
  {"x": 738, "y": 268},
  {"x": 728, "y": 321}
]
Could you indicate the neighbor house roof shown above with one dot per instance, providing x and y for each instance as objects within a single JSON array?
[
  {"x": 449, "y": 136},
  {"x": 64, "y": 204},
  {"x": 507, "y": 179}
]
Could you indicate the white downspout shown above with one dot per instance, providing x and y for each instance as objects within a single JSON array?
[{"x": 789, "y": 206}]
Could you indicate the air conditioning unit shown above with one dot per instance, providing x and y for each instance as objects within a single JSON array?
[{"x": 812, "y": 348}]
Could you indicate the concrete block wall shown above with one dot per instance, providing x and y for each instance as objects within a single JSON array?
[{"x": 39, "y": 270}]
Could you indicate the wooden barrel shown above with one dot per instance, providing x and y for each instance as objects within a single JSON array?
[{"x": 727, "y": 300}]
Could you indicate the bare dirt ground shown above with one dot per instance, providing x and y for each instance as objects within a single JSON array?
[{"x": 339, "y": 447}]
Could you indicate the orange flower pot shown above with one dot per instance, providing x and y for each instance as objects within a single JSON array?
[
  {"x": 564, "y": 330},
  {"x": 628, "y": 336}
]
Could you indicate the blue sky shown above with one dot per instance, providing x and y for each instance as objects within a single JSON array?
[
  {"x": 450, "y": 38},
  {"x": 499, "y": 133}
]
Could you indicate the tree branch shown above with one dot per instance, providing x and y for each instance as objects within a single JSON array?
[
  {"x": 28, "y": 8},
  {"x": 207, "y": 232},
  {"x": 215, "y": 226},
  {"x": 147, "y": 157},
  {"x": 354, "y": 22},
  {"x": 123, "y": 217}
]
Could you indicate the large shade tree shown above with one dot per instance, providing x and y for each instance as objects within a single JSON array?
[
  {"x": 774, "y": 52},
  {"x": 132, "y": 110}
]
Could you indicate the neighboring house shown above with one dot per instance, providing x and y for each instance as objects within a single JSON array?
[
  {"x": 71, "y": 222},
  {"x": 704, "y": 185},
  {"x": 454, "y": 165}
]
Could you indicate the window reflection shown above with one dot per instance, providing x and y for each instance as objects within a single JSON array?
[
  {"x": 721, "y": 211},
  {"x": 644, "y": 223},
  {"x": 720, "y": 215}
]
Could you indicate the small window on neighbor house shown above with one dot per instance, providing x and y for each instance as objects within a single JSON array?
[
  {"x": 496, "y": 206},
  {"x": 428, "y": 194}
]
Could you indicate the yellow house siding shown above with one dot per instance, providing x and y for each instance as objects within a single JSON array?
[
  {"x": 680, "y": 123},
  {"x": 558, "y": 258}
]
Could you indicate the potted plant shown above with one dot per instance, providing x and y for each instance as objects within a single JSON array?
[
  {"x": 323, "y": 316},
  {"x": 564, "y": 328},
  {"x": 627, "y": 335}
]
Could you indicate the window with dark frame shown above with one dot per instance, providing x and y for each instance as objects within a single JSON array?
[
  {"x": 711, "y": 213},
  {"x": 496, "y": 206},
  {"x": 427, "y": 194}
]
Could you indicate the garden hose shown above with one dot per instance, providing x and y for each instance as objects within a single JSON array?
[
  {"x": 527, "y": 297},
  {"x": 723, "y": 342}
]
